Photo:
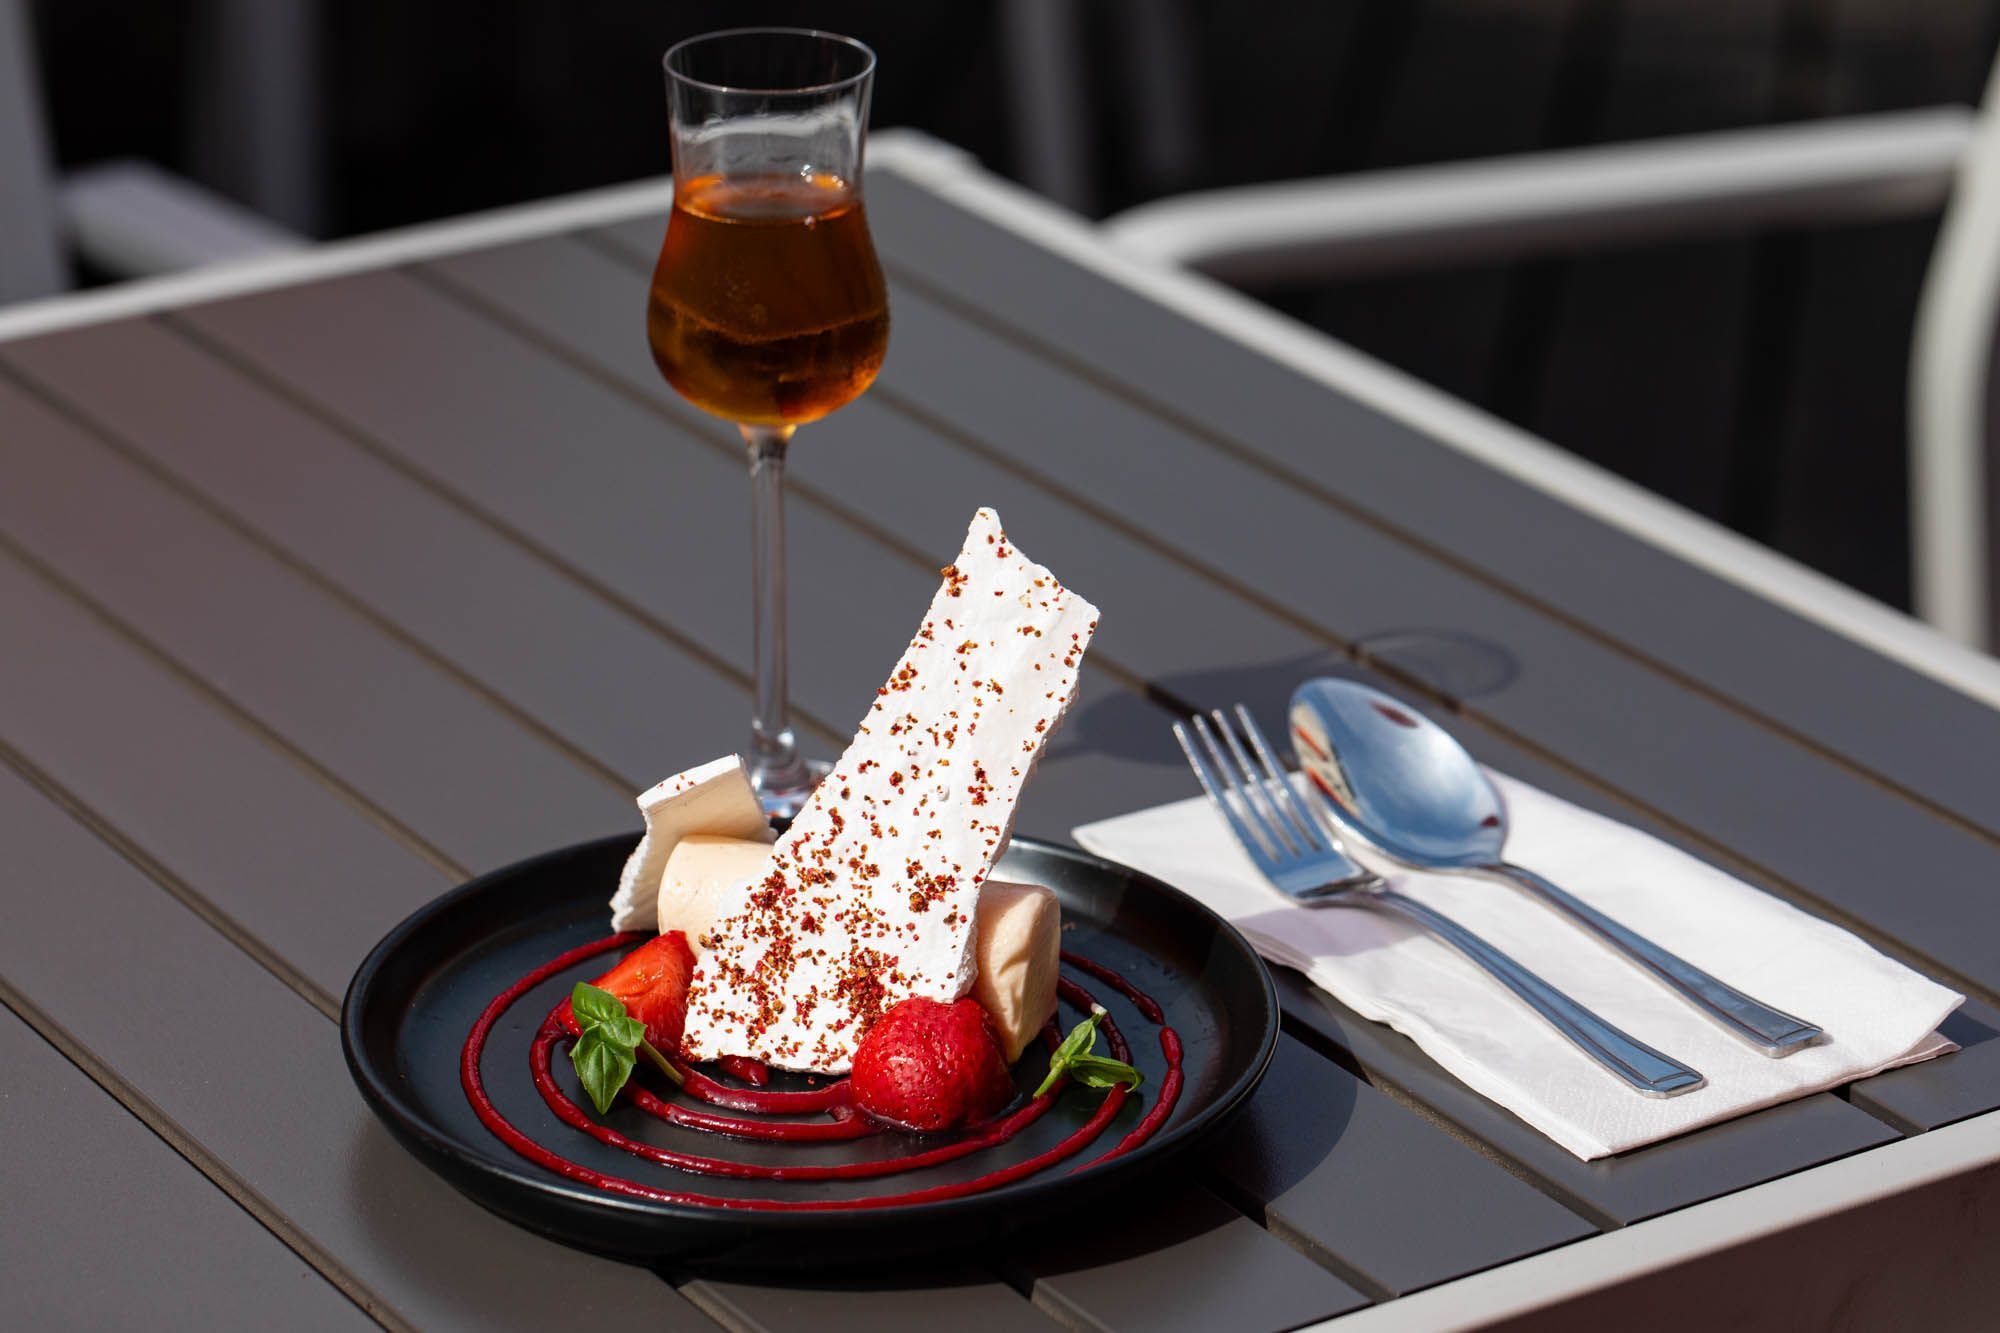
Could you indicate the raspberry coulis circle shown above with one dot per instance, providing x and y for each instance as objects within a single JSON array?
[{"x": 843, "y": 1120}]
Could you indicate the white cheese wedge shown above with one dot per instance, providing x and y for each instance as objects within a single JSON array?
[
  {"x": 872, "y": 893},
  {"x": 713, "y": 798},
  {"x": 1016, "y": 941},
  {"x": 1018, "y": 945},
  {"x": 705, "y": 873}
]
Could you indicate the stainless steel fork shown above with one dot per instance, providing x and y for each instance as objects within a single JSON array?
[{"x": 1295, "y": 847}]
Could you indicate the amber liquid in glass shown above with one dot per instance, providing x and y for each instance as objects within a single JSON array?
[{"x": 768, "y": 307}]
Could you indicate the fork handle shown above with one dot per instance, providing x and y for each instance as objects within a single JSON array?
[
  {"x": 1772, "y": 1031},
  {"x": 1648, "y": 1071}
]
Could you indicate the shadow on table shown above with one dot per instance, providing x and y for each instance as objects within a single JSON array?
[
  {"x": 1289, "y": 1129},
  {"x": 1124, "y": 725},
  {"x": 1966, "y": 1030},
  {"x": 1458, "y": 667}
]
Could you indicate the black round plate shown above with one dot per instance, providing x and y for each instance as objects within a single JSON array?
[{"x": 412, "y": 1002}]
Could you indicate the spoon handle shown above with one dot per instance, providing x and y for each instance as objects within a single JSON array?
[
  {"x": 1772, "y": 1031},
  {"x": 1648, "y": 1071}
]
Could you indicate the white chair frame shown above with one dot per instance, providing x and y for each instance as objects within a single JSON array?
[
  {"x": 1853, "y": 168},
  {"x": 130, "y": 219},
  {"x": 30, "y": 258}
]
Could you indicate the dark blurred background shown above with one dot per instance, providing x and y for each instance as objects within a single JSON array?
[{"x": 1758, "y": 379}]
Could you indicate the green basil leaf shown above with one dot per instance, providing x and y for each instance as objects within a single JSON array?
[
  {"x": 592, "y": 1005},
  {"x": 1077, "y": 1044},
  {"x": 1095, "y": 1071},
  {"x": 604, "y": 1053},
  {"x": 626, "y": 1032},
  {"x": 1080, "y": 1039},
  {"x": 602, "y": 1067}
]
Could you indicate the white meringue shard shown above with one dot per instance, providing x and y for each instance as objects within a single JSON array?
[{"x": 872, "y": 894}]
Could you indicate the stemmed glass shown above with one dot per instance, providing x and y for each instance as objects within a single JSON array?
[{"x": 768, "y": 308}]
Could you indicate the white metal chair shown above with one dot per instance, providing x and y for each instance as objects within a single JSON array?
[
  {"x": 1851, "y": 168},
  {"x": 127, "y": 219},
  {"x": 30, "y": 258}
]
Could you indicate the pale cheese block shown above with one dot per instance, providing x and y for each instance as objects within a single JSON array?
[
  {"x": 872, "y": 893},
  {"x": 1016, "y": 944},
  {"x": 702, "y": 876},
  {"x": 715, "y": 797}
]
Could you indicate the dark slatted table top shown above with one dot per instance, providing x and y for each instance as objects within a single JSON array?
[{"x": 320, "y": 598}]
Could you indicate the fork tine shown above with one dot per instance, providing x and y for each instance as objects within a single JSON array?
[
  {"x": 1253, "y": 814},
  {"x": 1255, "y": 794},
  {"x": 1279, "y": 786},
  {"x": 1214, "y": 786}
]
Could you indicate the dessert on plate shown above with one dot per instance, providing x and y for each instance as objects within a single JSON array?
[{"x": 868, "y": 947}]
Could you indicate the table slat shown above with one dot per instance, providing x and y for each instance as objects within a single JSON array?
[
  {"x": 917, "y": 1297},
  {"x": 200, "y": 797},
  {"x": 1937, "y": 1092},
  {"x": 1185, "y": 1263},
  {"x": 103, "y": 1220},
  {"x": 393, "y": 726},
  {"x": 623, "y": 696},
  {"x": 897, "y": 473},
  {"x": 277, "y": 1113},
  {"x": 645, "y": 506},
  {"x": 641, "y": 504},
  {"x": 1623, "y": 1189},
  {"x": 548, "y": 643},
  {"x": 1350, "y": 1174}
]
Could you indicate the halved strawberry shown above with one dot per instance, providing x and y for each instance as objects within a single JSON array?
[
  {"x": 931, "y": 1065},
  {"x": 652, "y": 980}
]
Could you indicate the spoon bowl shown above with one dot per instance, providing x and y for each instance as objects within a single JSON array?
[{"x": 1398, "y": 779}]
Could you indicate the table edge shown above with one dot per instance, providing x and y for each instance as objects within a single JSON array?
[
  {"x": 332, "y": 259},
  {"x": 1596, "y": 1262}
]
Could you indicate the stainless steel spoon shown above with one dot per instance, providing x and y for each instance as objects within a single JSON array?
[{"x": 1399, "y": 781}]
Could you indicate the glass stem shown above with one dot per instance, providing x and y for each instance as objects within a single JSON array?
[{"x": 776, "y": 770}]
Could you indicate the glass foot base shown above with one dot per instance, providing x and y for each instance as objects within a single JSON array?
[{"x": 784, "y": 794}]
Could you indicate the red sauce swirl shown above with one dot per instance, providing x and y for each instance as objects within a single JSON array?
[{"x": 843, "y": 1120}]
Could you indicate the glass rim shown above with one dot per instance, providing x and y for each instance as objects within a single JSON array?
[{"x": 832, "y": 85}]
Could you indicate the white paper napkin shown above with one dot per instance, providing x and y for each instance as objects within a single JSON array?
[{"x": 1877, "y": 1014}]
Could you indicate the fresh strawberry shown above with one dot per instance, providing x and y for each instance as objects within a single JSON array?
[
  {"x": 652, "y": 980},
  {"x": 929, "y": 1065}
]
